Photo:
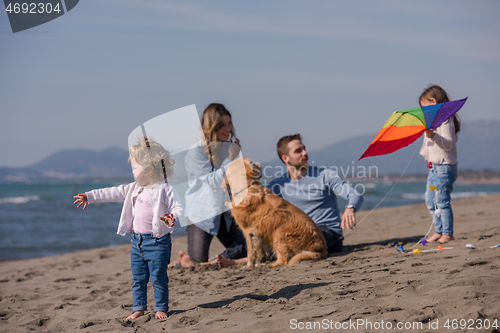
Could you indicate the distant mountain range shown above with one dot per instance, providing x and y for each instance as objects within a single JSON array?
[
  {"x": 478, "y": 148},
  {"x": 73, "y": 165}
]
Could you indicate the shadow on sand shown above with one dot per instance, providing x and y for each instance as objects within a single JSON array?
[{"x": 287, "y": 292}]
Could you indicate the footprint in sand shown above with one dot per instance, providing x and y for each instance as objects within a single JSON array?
[
  {"x": 187, "y": 320},
  {"x": 4, "y": 315},
  {"x": 88, "y": 299},
  {"x": 105, "y": 255},
  {"x": 30, "y": 275},
  {"x": 125, "y": 322},
  {"x": 64, "y": 280},
  {"x": 39, "y": 322},
  {"x": 119, "y": 292},
  {"x": 95, "y": 293},
  {"x": 476, "y": 263},
  {"x": 86, "y": 324}
]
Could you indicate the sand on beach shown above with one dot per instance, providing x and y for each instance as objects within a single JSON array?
[{"x": 369, "y": 283}]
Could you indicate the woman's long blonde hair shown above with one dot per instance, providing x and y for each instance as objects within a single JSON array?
[{"x": 211, "y": 122}]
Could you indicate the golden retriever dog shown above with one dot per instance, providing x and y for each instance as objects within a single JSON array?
[{"x": 268, "y": 221}]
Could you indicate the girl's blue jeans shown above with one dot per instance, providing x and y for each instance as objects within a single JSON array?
[
  {"x": 442, "y": 176},
  {"x": 149, "y": 257}
]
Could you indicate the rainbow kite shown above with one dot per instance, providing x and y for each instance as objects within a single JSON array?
[{"x": 406, "y": 126}]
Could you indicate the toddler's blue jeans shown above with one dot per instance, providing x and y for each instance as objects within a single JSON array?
[
  {"x": 442, "y": 176},
  {"x": 149, "y": 257}
]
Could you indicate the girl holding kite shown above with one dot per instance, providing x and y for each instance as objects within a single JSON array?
[
  {"x": 439, "y": 149},
  {"x": 436, "y": 117}
]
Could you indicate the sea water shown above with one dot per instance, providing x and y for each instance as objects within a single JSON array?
[{"x": 41, "y": 220}]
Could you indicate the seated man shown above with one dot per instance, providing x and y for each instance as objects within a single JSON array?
[{"x": 315, "y": 191}]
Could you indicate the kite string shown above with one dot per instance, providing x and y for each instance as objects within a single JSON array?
[
  {"x": 432, "y": 223},
  {"x": 380, "y": 202}
]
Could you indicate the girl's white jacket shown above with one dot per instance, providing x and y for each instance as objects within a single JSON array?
[{"x": 164, "y": 199}]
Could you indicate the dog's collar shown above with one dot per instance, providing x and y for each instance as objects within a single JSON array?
[{"x": 235, "y": 194}]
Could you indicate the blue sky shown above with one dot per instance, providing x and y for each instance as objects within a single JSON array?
[{"x": 330, "y": 70}]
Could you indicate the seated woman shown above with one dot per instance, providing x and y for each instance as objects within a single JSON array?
[{"x": 206, "y": 161}]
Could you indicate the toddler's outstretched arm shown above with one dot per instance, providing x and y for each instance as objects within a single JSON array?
[{"x": 81, "y": 199}]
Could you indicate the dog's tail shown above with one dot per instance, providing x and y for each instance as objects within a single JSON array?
[{"x": 306, "y": 255}]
